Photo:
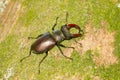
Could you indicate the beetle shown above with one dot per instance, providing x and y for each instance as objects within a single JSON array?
[{"x": 45, "y": 42}]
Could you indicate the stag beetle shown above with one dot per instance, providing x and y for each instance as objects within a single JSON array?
[{"x": 47, "y": 41}]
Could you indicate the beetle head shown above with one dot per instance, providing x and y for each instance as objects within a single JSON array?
[{"x": 66, "y": 31}]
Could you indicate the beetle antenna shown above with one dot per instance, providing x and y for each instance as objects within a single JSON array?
[
  {"x": 42, "y": 61},
  {"x": 66, "y": 17}
]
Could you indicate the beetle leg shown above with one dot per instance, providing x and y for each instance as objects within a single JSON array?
[
  {"x": 78, "y": 43},
  {"x": 63, "y": 53},
  {"x": 35, "y": 37},
  {"x": 65, "y": 46},
  {"x": 55, "y": 24},
  {"x": 26, "y": 56},
  {"x": 41, "y": 62}
]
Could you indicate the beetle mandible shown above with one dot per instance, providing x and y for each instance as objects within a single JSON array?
[{"x": 47, "y": 41}]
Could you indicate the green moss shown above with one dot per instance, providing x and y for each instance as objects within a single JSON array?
[{"x": 38, "y": 17}]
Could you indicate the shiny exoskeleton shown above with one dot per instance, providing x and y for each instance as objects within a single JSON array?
[{"x": 47, "y": 41}]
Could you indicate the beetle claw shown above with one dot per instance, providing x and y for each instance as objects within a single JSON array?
[
  {"x": 38, "y": 71},
  {"x": 31, "y": 38},
  {"x": 73, "y": 47},
  {"x": 21, "y": 60},
  {"x": 71, "y": 59},
  {"x": 28, "y": 37}
]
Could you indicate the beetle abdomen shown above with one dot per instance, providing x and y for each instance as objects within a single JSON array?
[{"x": 43, "y": 43}]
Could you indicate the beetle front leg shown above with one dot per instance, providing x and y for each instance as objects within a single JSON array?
[
  {"x": 35, "y": 37},
  {"x": 65, "y": 46},
  {"x": 78, "y": 43},
  {"x": 41, "y": 62},
  {"x": 55, "y": 24},
  {"x": 63, "y": 53}
]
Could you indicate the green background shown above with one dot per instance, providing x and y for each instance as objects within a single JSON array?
[{"x": 38, "y": 16}]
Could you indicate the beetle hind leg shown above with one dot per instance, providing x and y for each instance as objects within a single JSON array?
[
  {"x": 26, "y": 56},
  {"x": 41, "y": 62}
]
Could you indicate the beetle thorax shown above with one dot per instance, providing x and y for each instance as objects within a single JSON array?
[{"x": 58, "y": 36}]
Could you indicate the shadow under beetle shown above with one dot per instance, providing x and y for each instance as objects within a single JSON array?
[{"x": 47, "y": 41}]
